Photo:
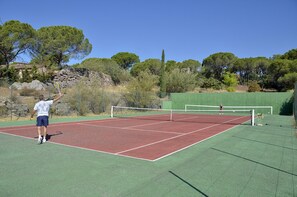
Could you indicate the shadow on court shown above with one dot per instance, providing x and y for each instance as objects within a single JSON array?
[{"x": 49, "y": 136}]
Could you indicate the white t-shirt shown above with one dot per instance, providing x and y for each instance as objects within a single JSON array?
[{"x": 42, "y": 107}]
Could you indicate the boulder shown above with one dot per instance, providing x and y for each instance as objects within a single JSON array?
[
  {"x": 35, "y": 85},
  {"x": 69, "y": 77}
]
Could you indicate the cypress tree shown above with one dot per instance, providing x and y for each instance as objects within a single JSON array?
[{"x": 162, "y": 76}]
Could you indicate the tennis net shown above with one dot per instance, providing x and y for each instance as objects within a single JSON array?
[
  {"x": 257, "y": 109},
  {"x": 240, "y": 116}
]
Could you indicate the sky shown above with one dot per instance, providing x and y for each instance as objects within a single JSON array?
[{"x": 184, "y": 29}]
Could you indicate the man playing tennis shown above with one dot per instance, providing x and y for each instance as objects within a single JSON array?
[
  {"x": 42, "y": 108},
  {"x": 221, "y": 109}
]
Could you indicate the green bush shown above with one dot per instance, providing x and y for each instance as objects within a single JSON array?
[
  {"x": 230, "y": 89},
  {"x": 26, "y": 76},
  {"x": 98, "y": 101},
  {"x": 10, "y": 74},
  {"x": 107, "y": 66},
  {"x": 254, "y": 87},
  {"x": 78, "y": 99},
  {"x": 140, "y": 91},
  {"x": 212, "y": 83},
  {"x": 85, "y": 99},
  {"x": 230, "y": 81},
  {"x": 178, "y": 81},
  {"x": 3, "y": 111}
]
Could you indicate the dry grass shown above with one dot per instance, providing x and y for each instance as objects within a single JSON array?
[
  {"x": 116, "y": 89},
  {"x": 5, "y": 92}
]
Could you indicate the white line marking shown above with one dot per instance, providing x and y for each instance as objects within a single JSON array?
[
  {"x": 120, "y": 153},
  {"x": 53, "y": 124},
  {"x": 192, "y": 144},
  {"x": 82, "y": 148},
  {"x": 139, "y": 147},
  {"x": 77, "y": 147},
  {"x": 128, "y": 128},
  {"x": 141, "y": 125},
  {"x": 16, "y": 135}
]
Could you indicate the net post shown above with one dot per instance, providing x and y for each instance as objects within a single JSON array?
[
  {"x": 171, "y": 115},
  {"x": 253, "y": 117},
  {"x": 111, "y": 111}
]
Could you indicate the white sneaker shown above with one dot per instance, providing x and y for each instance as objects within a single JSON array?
[
  {"x": 44, "y": 140},
  {"x": 39, "y": 140}
]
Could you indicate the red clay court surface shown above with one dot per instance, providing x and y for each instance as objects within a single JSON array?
[{"x": 142, "y": 139}]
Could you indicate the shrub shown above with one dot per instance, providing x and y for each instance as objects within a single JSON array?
[
  {"x": 230, "y": 89},
  {"x": 85, "y": 99},
  {"x": 178, "y": 81},
  {"x": 10, "y": 74},
  {"x": 212, "y": 83},
  {"x": 26, "y": 76},
  {"x": 254, "y": 87},
  {"x": 140, "y": 91},
  {"x": 3, "y": 111},
  {"x": 78, "y": 99},
  {"x": 107, "y": 66},
  {"x": 14, "y": 98},
  {"x": 98, "y": 101},
  {"x": 230, "y": 80}
]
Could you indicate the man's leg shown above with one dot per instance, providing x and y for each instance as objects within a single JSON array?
[
  {"x": 39, "y": 134},
  {"x": 45, "y": 123},
  {"x": 44, "y": 133}
]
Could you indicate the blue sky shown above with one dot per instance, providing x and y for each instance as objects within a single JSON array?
[{"x": 185, "y": 29}]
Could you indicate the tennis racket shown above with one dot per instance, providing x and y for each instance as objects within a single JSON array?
[{"x": 57, "y": 86}]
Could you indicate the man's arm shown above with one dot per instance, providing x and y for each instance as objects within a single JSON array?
[
  {"x": 32, "y": 114},
  {"x": 56, "y": 99}
]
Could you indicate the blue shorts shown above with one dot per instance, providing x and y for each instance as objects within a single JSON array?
[{"x": 42, "y": 121}]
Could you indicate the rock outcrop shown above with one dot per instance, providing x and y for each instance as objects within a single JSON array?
[{"x": 68, "y": 77}]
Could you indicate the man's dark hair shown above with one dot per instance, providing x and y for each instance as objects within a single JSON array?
[{"x": 41, "y": 97}]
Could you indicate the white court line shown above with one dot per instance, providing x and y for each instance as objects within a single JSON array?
[
  {"x": 18, "y": 128},
  {"x": 24, "y": 127},
  {"x": 193, "y": 144},
  {"x": 16, "y": 135},
  {"x": 160, "y": 122},
  {"x": 128, "y": 128},
  {"x": 154, "y": 123},
  {"x": 98, "y": 151},
  {"x": 139, "y": 147},
  {"x": 147, "y": 124},
  {"x": 119, "y": 153},
  {"x": 77, "y": 147},
  {"x": 56, "y": 124}
]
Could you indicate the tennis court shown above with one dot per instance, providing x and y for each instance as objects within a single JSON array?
[
  {"x": 242, "y": 161},
  {"x": 149, "y": 137}
]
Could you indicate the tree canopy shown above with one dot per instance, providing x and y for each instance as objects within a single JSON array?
[
  {"x": 107, "y": 66},
  {"x": 190, "y": 65},
  {"x": 216, "y": 64},
  {"x": 58, "y": 44},
  {"x": 152, "y": 65},
  {"x": 125, "y": 59},
  {"x": 15, "y": 38},
  {"x": 290, "y": 55}
]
